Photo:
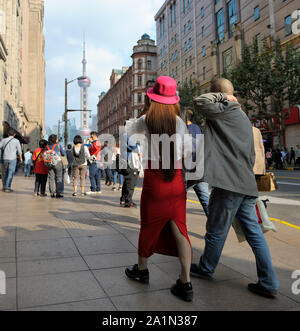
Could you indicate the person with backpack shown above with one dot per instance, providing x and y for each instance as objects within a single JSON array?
[
  {"x": 27, "y": 163},
  {"x": 52, "y": 160},
  {"x": 80, "y": 156},
  {"x": 10, "y": 148},
  {"x": 94, "y": 171},
  {"x": 40, "y": 170}
]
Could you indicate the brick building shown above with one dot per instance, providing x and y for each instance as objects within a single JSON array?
[{"x": 125, "y": 98}]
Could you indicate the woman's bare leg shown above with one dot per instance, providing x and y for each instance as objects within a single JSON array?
[{"x": 184, "y": 252}]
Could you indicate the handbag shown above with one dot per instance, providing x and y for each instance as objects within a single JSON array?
[
  {"x": 64, "y": 159},
  {"x": 267, "y": 183}
]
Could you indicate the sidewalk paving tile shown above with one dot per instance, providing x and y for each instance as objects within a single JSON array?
[
  {"x": 7, "y": 249},
  {"x": 104, "y": 244},
  {"x": 53, "y": 266},
  {"x": 9, "y": 269},
  {"x": 108, "y": 261},
  {"x": 90, "y": 305},
  {"x": 55, "y": 289},
  {"x": 43, "y": 234},
  {"x": 9, "y": 300},
  {"x": 43, "y": 249}
]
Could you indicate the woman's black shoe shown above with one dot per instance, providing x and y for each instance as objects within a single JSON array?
[
  {"x": 141, "y": 276},
  {"x": 183, "y": 291},
  {"x": 59, "y": 196}
]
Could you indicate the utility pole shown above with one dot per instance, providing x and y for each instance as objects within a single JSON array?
[{"x": 66, "y": 112}]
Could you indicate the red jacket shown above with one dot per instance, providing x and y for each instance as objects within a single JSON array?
[{"x": 95, "y": 149}]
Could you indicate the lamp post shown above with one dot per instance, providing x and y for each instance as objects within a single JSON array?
[{"x": 66, "y": 106}]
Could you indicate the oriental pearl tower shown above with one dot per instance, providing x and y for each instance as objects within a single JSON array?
[{"x": 84, "y": 84}]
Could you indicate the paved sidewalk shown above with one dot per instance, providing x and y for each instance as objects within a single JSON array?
[{"x": 71, "y": 254}]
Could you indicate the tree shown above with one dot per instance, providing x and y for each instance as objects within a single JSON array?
[
  {"x": 267, "y": 80},
  {"x": 187, "y": 93}
]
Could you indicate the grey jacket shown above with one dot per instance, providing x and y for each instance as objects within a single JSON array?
[{"x": 229, "y": 145}]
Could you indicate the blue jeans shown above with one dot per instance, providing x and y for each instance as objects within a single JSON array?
[
  {"x": 8, "y": 171},
  {"x": 224, "y": 207},
  {"x": 95, "y": 177},
  {"x": 115, "y": 177},
  {"x": 202, "y": 191},
  {"x": 27, "y": 169}
]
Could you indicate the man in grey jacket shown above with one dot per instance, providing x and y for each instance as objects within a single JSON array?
[
  {"x": 229, "y": 162},
  {"x": 10, "y": 149}
]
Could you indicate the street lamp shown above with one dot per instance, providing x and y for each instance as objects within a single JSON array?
[{"x": 81, "y": 78}]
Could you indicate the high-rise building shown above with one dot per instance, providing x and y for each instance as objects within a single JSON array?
[
  {"x": 22, "y": 67},
  {"x": 198, "y": 40},
  {"x": 125, "y": 98}
]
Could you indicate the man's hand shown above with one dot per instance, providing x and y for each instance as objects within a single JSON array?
[{"x": 232, "y": 98}]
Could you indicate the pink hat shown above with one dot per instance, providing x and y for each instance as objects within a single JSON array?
[{"x": 164, "y": 91}]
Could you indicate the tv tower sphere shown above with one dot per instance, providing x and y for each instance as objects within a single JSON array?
[{"x": 84, "y": 82}]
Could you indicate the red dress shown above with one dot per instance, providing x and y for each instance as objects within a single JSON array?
[{"x": 161, "y": 202}]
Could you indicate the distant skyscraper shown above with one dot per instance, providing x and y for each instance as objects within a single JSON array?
[{"x": 84, "y": 85}]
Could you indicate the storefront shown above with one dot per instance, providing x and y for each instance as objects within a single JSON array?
[
  {"x": 292, "y": 131},
  {"x": 291, "y": 136}
]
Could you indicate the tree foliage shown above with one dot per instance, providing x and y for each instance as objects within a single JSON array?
[{"x": 267, "y": 80}]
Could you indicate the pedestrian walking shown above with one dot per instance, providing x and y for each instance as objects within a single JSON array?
[
  {"x": 10, "y": 150},
  {"x": 163, "y": 202},
  {"x": 259, "y": 168},
  {"x": 27, "y": 163},
  {"x": 55, "y": 168},
  {"x": 201, "y": 189},
  {"x": 229, "y": 170},
  {"x": 106, "y": 159},
  {"x": 118, "y": 178},
  {"x": 80, "y": 157},
  {"x": 94, "y": 171},
  {"x": 40, "y": 170},
  {"x": 70, "y": 158},
  {"x": 130, "y": 174},
  {"x": 292, "y": 156},
  {"x": 269, "y": 158}
]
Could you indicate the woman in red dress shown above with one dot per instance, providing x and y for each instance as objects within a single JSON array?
[{"x": 163, "y": 202}]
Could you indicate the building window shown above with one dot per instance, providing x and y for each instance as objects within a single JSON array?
[
  {"x": 139, "y": 97},
  {"x": 184, "y": 6},
  {"x": 149, "y": 65},
  {"x": 139, "y": 80},
  {"x": 256, "y": 13},
  {"x": 258, "y": 42},
  {"x": 190, "y": 43},
  {"x": 232, "y": 16},
  {"x": 175, "y": 11},
  {"x": 140, "y": 64},
  {"x": 203, "y": 31},
  {"x": 185, "y": 46},
  {"x": 171, "y": 16},
  {"x": 202, "y": 12},
  {"x": 220, "y": 25},
  {"x": 203, "y": 51},
  {"x": 190, "y": 60},
  {"x": 288, "y": 25},
  {"x": 204, "y": 73},
  {"x": 228, "y": 59}
]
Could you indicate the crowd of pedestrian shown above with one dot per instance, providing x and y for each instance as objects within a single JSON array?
[
  {"x": 229, "y": 169},
  {"x": 283, "y": 158}
]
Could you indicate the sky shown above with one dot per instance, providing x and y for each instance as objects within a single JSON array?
[{"x": 111, "y": 27}]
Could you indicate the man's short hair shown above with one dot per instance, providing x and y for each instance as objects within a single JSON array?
[
  {"x": 69, "y": 146},
  {"x": 222, "y": 85},
  {"x": 43, "y": 143},
  {"x": 94, "y": 133},
  {"x": 11, "y": 132}
]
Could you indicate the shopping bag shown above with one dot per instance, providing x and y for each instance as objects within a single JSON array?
[
  {"x": 267, "y": 183},
  {"x": 67, "y": 179},
  {"x": 266, "y": 224}
]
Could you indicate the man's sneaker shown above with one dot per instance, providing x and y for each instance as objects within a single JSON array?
[
  {"x": 183, "y": 291},
  {"x": 98, "y": 192},
  {"x": 262, "y": 291},
  {"x": 130, "y": 205},
  {"x": 59, "y": 196},
  {"x": 91, "y": 193},
  {"x": 122, "y": 203},
  {"x": 134, "y": 273},
  {"x": 8, "y": 190},
  {"x": 120, "y": 188},
  {"x": 196, "y": 271},
  {"x": 113, "y": 188}
]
